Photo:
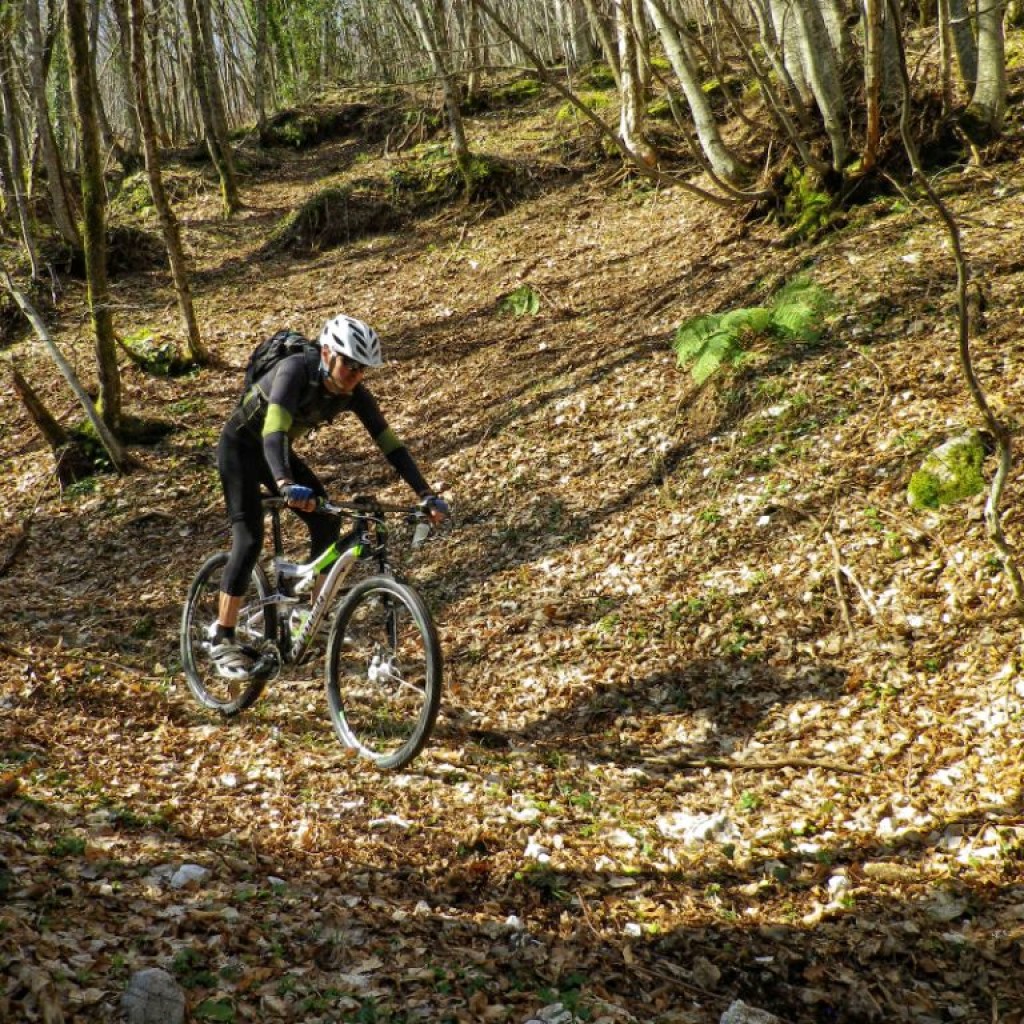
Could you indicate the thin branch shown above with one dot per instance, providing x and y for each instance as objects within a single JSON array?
[
  {"x": 999, "y": 430},
  {"x": 118, "y": 457}
]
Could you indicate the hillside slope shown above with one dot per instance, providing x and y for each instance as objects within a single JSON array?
[{"x": 725, "y": 719}]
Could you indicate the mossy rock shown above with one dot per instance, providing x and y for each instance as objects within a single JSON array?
[
  {"x": 333, "y": 217},
  {"x": 134, "y": 196},
  {"x": 950, "y": 473},
  {"x": 155, "y": 357},
  {"x": 436, "y": 179},
  {"x": 130, "y": 250},
  {"x": 592, "y": 100},
  {"x": 661, "y": 110}
]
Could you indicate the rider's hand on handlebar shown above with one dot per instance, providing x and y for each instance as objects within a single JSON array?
[
  {"x": 437, "y": 508},
  {"x": 299, "y": 497}
]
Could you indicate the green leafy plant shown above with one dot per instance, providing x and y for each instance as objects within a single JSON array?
[
  {"x": 215, "y": 1010},
  {"x": 795, "y": 314},
  {"x": 68, "y": 846},
  {"x": 524, "y": 300}
]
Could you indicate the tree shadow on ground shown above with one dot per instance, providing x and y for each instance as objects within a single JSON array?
[{"x": 921, "y": 948}]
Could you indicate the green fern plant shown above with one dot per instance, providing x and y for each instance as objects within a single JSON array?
[{"x": 708, "y": 342}]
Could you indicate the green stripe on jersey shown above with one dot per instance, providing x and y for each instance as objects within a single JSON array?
[{"x": 278, "y": 420}]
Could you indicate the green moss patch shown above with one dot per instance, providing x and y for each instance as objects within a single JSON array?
[{"x": 951, "y": 473}]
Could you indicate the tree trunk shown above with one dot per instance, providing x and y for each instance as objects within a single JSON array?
[
  {"x": 631, "y": 92},
  {"x": 260, "y": 100},
  {"x": 94, "y": 207},
  {"x": 823, "y": 74},
  {"x": 771, "y": 43},
  {"x": 722, "y": 160},
  {"x": 874, "y": 11},
  {"x": 12, "y": 132},
  {"x": 786, "y": 20},
  {"x": 56, "y": 179},
  {"x": 574, "y": 32},
  {"x": 836, "y": 20},
  {"x": 70, "y": 458},
  {"x": 134, "y": 144},
  {"x": 430, "y": 22},
  {"x": 168, "y": 221},
  {"x": 216, "y": 99},
  {"x": 118, "y": 457},
  {"x": 965, "y": 46},
  {"x": 984, "y": 116},
  {"x": 604, "y": 36},
  {"x": 474, "y": 51},
  {"x": 204, "y": 77}
]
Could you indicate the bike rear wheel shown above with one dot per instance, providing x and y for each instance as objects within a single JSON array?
[
  {"x": 384, "y": 672},
  {"x": 257, "y": 623}
]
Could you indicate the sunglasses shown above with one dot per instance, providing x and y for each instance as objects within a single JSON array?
[{"x": 353, "y": 365}]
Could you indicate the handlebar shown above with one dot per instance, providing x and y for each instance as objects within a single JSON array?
[{"x": 362, "y": 506}]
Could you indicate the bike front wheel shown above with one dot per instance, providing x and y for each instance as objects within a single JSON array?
[
  {"x": 256, "y": 625},
  {"x": 384, "y": 672}
]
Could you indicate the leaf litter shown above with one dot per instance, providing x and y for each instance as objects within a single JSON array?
[{"x": 725, "y": 720}]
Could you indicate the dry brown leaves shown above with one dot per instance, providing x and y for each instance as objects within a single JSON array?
[{"x": 725, "y": 720}]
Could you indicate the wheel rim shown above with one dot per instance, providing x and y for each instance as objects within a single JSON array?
[
  {"x": 209, "y": 685},
  {"x": 380, "y": 677}
]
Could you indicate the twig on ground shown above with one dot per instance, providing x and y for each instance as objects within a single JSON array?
[{"x": 837, "y": 578}]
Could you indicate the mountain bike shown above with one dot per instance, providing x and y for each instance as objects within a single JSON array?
[{"x": 383, "y": 657}]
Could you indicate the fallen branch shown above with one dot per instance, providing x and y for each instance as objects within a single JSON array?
[
  {"x": 118, "y": 456},
  {"x": 849, "y": 574},
  {"x": 837, "y": 579}
]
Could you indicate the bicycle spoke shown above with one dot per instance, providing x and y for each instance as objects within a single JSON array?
[
  {"x": 229, "y": 696},
  {"x": 383, "y": 673}
]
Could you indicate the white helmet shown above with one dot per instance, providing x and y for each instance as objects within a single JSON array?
[{"x": 347, "y": 336}]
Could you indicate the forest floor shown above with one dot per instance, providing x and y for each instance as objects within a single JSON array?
[{"x": 724, "y": 718}]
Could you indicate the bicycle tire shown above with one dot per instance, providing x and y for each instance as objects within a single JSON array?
[
  {"x": 384, "y": 670},
  {"x": 229, "y": 697}
]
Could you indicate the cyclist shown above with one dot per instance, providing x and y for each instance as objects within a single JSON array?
[{"x": 297, "y": 393}]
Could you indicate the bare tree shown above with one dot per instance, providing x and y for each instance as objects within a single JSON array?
[
  {"x": 722, "y": 160},
  {"x": 94, "y": 206},
  {"x": 56, "y": 178},
  {"x": 13, "y": 135},
  {"x": 168, "y": 221},
  {"x": 631, "y": 83},
  {"x": 211, "y": 105},
  {"x": 429, "y": 16}
]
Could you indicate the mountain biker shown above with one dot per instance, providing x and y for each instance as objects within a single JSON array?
[{"x": 299, "y": 392}]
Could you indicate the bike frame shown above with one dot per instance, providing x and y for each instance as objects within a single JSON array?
[{"x": 291, "y": 578}]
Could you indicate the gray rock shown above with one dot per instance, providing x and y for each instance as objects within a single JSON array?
[
  {"x": 740, "y": 1013},
  {"x": 153, "y": 997}
]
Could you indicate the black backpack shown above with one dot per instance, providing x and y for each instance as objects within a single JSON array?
[{"x": 275, "y": 348}]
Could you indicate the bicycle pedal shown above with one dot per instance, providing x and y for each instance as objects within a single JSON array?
[{"x": 267, "y": 666}]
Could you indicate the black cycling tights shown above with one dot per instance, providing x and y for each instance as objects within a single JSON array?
[{"x": 243, "y": 469}]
